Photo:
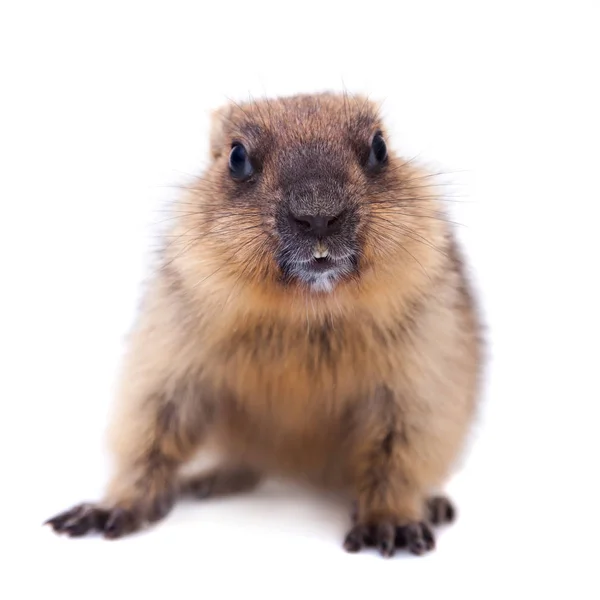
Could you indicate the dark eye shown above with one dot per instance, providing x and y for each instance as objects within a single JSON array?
[
  {"x": 378, "y": 154},
  {"x": 240, "y": 166}
]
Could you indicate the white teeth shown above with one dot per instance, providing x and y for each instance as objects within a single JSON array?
[{"x": 320, "y": 252}]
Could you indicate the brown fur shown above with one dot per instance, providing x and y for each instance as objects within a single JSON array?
[{"x": 369, "y": 389}]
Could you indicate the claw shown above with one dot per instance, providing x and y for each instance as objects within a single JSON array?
[
  {"x": 440, "y": 510},
  {"x": 420, "y": 538}
]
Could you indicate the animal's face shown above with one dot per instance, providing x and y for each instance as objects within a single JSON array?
[{"x": 301, "y": 189}]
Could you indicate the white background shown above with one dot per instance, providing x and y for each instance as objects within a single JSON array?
[{"x": 104, "y": 109}]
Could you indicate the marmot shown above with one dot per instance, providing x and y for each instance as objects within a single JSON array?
[{"x": 310, "y": 317}]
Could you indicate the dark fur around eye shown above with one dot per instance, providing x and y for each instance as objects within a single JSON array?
[
  {"x": 240, "y": 166},
  {"x": 378, "y": 154}
]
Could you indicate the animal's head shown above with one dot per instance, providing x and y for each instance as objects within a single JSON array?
[{"x": 305, "y": 192}]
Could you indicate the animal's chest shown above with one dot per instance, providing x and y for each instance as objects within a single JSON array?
[
  {"x": 305, "y": 362},
  {"x": 291, "y": 392},
  {"x": 293, "y": 379}
]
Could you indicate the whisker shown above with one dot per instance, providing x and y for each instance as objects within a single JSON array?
[
  {"x": 185, "y": 249},
  {"x": 436, "y": 217},
  {"x": 177, "y": 238},
  {"x": 414, "y": 258},
  {"x": 410, "y": 233},
  {"x": 261, "y": 251},
  {"x": 226, "y": 263}
]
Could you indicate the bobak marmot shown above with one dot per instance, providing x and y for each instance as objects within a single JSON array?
[{"x": 309, "y": 317}]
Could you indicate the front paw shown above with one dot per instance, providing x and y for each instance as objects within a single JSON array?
[
  {"x": 85, "y": 519},
  {"x": 80, "y": 520},
  {"x": 114, "y": 522},
  {"x": 416, "y": 537}
]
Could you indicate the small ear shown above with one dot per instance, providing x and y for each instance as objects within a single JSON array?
[{"x": 218, "y": 124}]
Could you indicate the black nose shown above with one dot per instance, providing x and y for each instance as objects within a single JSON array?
[{"x": 317, "y": 225}]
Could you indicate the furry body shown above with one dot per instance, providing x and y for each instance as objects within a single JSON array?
[{"x": 363, "y": 379}]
